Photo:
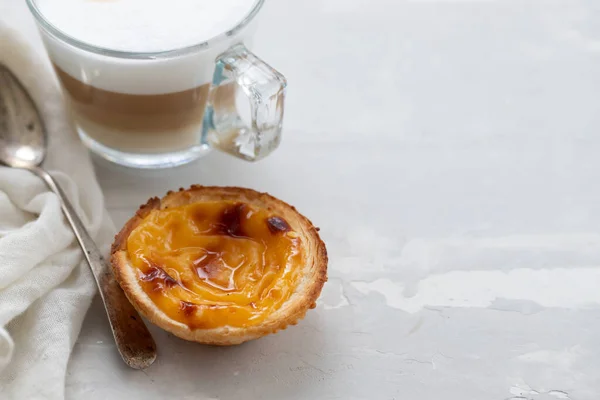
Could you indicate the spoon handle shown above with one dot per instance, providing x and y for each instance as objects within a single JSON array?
[{"x": 134, "y": 342}]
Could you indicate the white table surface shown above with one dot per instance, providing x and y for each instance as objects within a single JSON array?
[{"x": 450, "y": 152}]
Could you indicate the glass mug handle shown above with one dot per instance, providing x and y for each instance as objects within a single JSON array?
[{"x": 265, "y": 88}]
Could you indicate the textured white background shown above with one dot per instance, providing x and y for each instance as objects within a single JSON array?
[{"x": 450, "y": 152}]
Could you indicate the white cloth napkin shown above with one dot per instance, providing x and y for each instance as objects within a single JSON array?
[{"x": 45, "y": 285}]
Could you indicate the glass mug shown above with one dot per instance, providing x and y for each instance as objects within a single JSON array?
[{"x": 162, "y": 109}]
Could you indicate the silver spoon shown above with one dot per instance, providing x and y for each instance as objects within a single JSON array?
[{"x": 23, "y": 145}]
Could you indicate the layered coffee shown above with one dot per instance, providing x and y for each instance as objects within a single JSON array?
[
  {"x": 141, "y": 123},
  {"x": 133, "y": 98}
]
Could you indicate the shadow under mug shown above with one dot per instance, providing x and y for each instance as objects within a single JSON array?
[{"x": 163, "y": 109}]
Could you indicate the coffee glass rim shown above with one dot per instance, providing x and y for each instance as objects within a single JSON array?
[{"x": 132, "y": 55}]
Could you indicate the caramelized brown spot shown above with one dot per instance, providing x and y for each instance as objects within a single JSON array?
[
  {"x": 208, "y": 265},
  {"x": 230, "y": 222},
  {"x": 158, "y": 277},
  {"x": 196, "y": 324},
  {"x": 187, "y": 308},
  {"x": 277, "y": 225},
  {"x": 199, "y": 216}
]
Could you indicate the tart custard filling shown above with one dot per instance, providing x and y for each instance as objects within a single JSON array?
[{"x": 216, "y": 263}]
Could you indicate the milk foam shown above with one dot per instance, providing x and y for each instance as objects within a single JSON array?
[{"x": 144, "y": 25}]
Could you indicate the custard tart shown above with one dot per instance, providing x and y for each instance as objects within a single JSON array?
[{"x": 220, "y": 265}]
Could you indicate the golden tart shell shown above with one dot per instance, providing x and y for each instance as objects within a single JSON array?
[{"x": 310, "y": 274}]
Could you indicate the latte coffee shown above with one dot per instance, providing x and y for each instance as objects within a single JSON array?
[
  {"x": 125, "y": 98},
  {"x": 141, "y": 122}
]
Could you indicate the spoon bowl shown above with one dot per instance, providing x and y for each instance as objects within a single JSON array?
[{"x": 23, "y": 139}]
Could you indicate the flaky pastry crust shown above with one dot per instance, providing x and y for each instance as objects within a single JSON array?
[{"x": 307, "y": 289}]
